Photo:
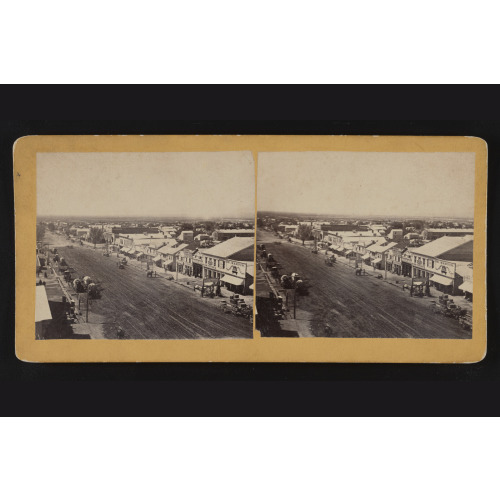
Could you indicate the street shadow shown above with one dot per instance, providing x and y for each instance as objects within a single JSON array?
[{"x": 59, "y": 327}]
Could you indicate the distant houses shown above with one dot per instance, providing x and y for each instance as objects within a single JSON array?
[
  {"x": 433, "y": 234},
  {"x": 225, "y": 234}
]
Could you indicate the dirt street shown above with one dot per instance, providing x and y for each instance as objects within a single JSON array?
[
  {"x": 148, "y": 308},
  {"x": 357, "y": 306}
]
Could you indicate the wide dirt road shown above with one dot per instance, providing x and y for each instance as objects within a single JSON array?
[
  {"x": 150, "y": 308},
  {"x": 358, "y": 306}
]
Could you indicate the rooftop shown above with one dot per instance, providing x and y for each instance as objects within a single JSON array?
[
  {"x": 171, "y": 250},
  {"x": 229, "y": 247},
  {"x": 450, "y": 230},
  {"x": 442, "y": 245},
  {"x": 381, "y": 248},
  {"x": 463, "y": 268},
  {"x": 141, "y": 236},
  {"x": 234, "y": 231}
]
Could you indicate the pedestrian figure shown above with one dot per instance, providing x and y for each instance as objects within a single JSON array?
[
  {"x": 411, "y": 291},
  {"x": 202, "y": 290},
  {"x": 45, "y": 274}
]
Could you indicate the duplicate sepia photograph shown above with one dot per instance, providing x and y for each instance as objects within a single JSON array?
[
  {"x": 144, "y": 245},
  {"x": 365, "y": 245}
]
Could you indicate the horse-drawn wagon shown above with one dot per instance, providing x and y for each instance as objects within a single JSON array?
[{"x": 330, "y": 260}]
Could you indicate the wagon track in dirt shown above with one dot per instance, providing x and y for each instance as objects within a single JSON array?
[
  {"x": 150, "y": 308},
  {"x": 358, "y": 306}
]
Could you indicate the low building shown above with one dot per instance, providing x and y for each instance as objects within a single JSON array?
[
  {"x": 434, "y": 234},
  {"x": 82, "y": 232},
  {"x": 168, "y": 230},
  {"x": 230, "y": 263},
  {"x": 406, "y": 262},
  {"x": 411, "y": 236},
  {"x": 465, "y": 271},
  {"x": 339, "y": 237},
  {"x": 185, "y": 258},
  {"x": 436, "y": 262},
  {"x": 394, "y": 260},
  {"x": 167, "y": 257},
  {"x": 197, "y": 261},
  {"x": 43, "y": 315},
  {"x": 395, "y": 235},
  {"x": 355, "y": 243},
  {"x": 201, "y": 237},
  {"x": 186, "y": 236},
  {"x": 378, "y": 254},
  {"x": 225, "y": 234}
]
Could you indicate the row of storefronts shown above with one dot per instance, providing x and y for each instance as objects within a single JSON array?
[
  {"x": 231, "y": 263},
  {"x": 445, "y": 263}
]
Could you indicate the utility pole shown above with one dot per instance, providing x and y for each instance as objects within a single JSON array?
[
  {"x": 87, "y": 311},
  {"x": 295, "y": 303},
  {"x": 176, "y": 271},
  {"x": 385, "y": 262},
  {"x": 244, "y": 279}
]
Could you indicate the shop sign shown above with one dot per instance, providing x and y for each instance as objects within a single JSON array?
[{"x": 237, "y": 268}]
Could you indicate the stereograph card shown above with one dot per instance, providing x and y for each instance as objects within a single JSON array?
[{"x": 250, "y": 249}]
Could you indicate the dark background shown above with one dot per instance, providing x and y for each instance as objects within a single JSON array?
[{"x": 236, "y": 389}]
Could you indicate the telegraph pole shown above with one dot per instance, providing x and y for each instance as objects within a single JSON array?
[
  {"x": 294, "y": 303},
  {"x": 385, "y": 262},
  {"x": 87, "y": 311}
]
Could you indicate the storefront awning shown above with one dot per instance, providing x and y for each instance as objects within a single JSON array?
[
  {"x": 376, "y": 261},
  {"x": 157, "y": 259},
  {"x": 466, "y": 286},
  {"x": 233, "y": 280},
  {"x": 42, "y": 308},
  {"x": 140, "y": 254},
  {"x": 251, "y": 287},
  {"x": 366, "y": 255},
  {"x": 442, "y": 280}
]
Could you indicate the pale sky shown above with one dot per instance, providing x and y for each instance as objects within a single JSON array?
[
  {"x": 200, "y": 185},
  {"x": 363, "y": 184}
]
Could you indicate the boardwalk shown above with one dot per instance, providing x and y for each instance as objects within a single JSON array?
[{"x": 357, "y": 306}]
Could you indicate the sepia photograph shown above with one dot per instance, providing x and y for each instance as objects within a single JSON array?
[
  {"x": 144, "y": 245},
  {"x": 365, "y": 245}
]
